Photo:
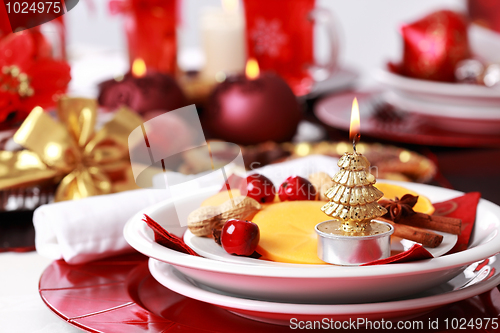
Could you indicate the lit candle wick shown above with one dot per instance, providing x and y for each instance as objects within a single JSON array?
[{"x": 354, "y": 127}]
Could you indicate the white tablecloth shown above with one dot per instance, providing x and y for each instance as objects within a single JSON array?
[{"x": 21, "y": 308}]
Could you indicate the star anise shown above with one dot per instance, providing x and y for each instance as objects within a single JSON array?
[{"x": 399, "y": 208}]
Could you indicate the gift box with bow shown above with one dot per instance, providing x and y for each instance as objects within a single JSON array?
[{"x": 70, "y": 152}]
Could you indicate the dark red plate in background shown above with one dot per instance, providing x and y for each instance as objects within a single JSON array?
[{"x": 381, "y": 121}]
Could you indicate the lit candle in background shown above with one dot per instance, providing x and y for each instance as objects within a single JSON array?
[
  {"x": 223, "y": 38},
  {"x": 142, "y": 90},
  {"x": 252, "y": 70},
  {"x": 252, "y": 108},
  {"x": 138, "y": 68}
]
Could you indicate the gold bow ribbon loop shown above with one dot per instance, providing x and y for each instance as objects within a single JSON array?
[{"x": 84, "y": 162}]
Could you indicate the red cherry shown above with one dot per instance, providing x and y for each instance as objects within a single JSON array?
[
  {"x": 296, "y": 188},
  {"x": 258, "y": 187},
  {"x": 240, "y": 237}
]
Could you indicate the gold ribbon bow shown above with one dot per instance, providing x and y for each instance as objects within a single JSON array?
[{"x": 85, "y": 162}]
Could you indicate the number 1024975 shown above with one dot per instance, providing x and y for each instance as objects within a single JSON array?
[{"x": 39, "y": 7}]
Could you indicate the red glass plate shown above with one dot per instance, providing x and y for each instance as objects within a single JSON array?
[
  {"x": 386, "y": 123},
  {"x": 119, "y": 295}
]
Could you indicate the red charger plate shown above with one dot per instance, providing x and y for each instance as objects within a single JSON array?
[
  {"x": 120, "y": 295},
  {"x": 405, "y": 127}
]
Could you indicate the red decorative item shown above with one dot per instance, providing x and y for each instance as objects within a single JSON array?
[
  {"x": 296, "y": 188},
  {"x": 234, "y": 181},
  {"x": 281, "y": 39},
  {"x": 433, "y": 46},
  {"x": 246, "y": 111},
  {"x": 258, "y": 187},
  {"x": 167, "y": 239},
  {"x": 415, "y": 253},
  {"x": 150, "y": 26},
  {"x": 240, "y": 237},
  {"x": 153, "y": 91},
  {"x": 464, "y": 208},
  {"x": 485, "y": 13},
  {"x": 29, "y": 77}
]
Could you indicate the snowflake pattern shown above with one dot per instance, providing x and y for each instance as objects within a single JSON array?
[{"x": 268, "y": 37}]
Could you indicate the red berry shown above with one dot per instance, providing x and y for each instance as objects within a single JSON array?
[
  {"x": 258, "y": 187},
  {"x": 296, "y": 188},
  {"x": 240, "y": 237}
]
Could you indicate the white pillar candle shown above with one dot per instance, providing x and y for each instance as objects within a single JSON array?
[{"x": 223, "y": 36}]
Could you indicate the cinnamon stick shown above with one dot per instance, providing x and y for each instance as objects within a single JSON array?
[
  {"x": 425, "y": 237},
  {"x": 450, "y": 225},
  {"x": 401, "y": 211}
]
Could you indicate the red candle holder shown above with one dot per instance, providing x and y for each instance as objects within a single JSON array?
[{"x": 150, "y": 26}]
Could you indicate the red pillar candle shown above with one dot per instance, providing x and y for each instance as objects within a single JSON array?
[
  {"x": 252, "y": 109},
  {"x": 142, "y": 91}
]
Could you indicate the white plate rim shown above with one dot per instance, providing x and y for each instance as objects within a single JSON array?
[
  {"x": 434, "y": 88},
  {"x": 463, "y": 112},
  {"x": 146, "y": 245},
  {"x": 178, "y": 285}
]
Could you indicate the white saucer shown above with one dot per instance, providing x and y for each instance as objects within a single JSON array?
[
  {"x": 448, "y": 110},
  {"x": 206, "y": 247},
  {"x": 439, "y": 92},
  {"x": 465, "y": 285},
  {"x": 459, "y": 118}
]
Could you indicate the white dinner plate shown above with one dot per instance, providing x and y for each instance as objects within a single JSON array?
[
  {"x": 319, "y": 283},
  {"x": 439, "y": 92},
  {"x": 206, "y": 247},
  {"x": 465, "y": 112},
  {"x": 475, "y": 280}
]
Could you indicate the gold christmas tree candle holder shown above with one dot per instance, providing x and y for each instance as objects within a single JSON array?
[
  {"x": 353, "y": 236},
  {"x": 353, "y": 198}
]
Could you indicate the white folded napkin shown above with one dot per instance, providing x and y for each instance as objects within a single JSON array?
[{"x": 92, "y": 228}]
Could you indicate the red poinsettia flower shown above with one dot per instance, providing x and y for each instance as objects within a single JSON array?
[{"x": 28, "y": 76}]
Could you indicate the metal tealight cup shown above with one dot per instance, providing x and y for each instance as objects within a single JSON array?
[{"x": 353, "y": 250}]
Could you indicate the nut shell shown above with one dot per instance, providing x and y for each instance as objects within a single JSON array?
[{"x": 203, "y": 220}]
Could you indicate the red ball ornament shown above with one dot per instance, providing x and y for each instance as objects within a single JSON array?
[
  {"x": 296, "y": 188},
  {"x": 433, "y": 46},
  {"x": 258, "y": 187},
  {"x": 250, "y": 111},
  {"x": 240, "y": 237}
]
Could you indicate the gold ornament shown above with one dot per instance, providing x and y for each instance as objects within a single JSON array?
[
  {"x": 14, "y": 81},
  {"x": 70, "y": 152},
  {"x": 353, "y": 198}
]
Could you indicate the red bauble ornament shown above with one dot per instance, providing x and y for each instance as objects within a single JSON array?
[
  {"x": 246, "y": 111},
  {"x": 240, "y": 237},
  {"x": 258, "y": 187},
  {"x": 296, "y": 188},
  {"x": 433, "y": 46}
]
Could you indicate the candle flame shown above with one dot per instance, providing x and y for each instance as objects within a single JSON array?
[
  {"x": 230, "y": 6},
  {"x": 252, "y": 70},
  {"x": 354, "y": 132},
  {"x": 138, "y": 68}
]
